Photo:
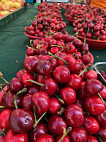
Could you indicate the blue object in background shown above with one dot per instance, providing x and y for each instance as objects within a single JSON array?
[{"x": 29, "y": 1}]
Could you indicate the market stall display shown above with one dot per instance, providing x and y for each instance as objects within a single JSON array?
[
  {"x": 57, "y": 93},
  {"x": 7, "y": 6}
]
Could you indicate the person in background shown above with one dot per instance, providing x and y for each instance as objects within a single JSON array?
[{"x": 98, "y": 3}]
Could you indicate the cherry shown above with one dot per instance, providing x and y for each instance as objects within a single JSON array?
[
  {"x": 94, "y": 105},
  {"x": 9, "y": 100},
  {"x": 20, "y": 73},
  {"x": 61, "y": 74},
  {"x": 78, "y": 43},
  {"x": 56, "y": 124},
  {"x": 102, "y": 118},
  {"x": 92, "y": 139},
  {"x": 21, "y": 120},
  {"x": 42, "y": 102},
  {"x": 30, "y": 64},
  {"x": 91, "y": 125},
  {"x": 74, "y": 81},
  {"x": 78, "y": 135},
  {"x": 102, "y": 133},
  {"x": 93, "y": 86},
  {"x": 77, "y": 67},
  {"x": 2, "y": 94},
  {"x": 65, "y": 139},
  {"x": 70, "y": 48},
  {"x": 2, "y": 139},
  {"x": 25, "y": 77},
  {"x": 44, "y": 67},
  {"x": 91, "y": 75},
  {"x": 41, "y": 129},
  {"x": 45, "y": 138},
  {"x": 33, "y": 89},
  {"x": 12, "y": 137},
  {"x": 54, "y": 50},
  {"x": 86, "y": 59},
  {"x": 15, "y": 85},
  {"x": 74, "y": 115},
  {"x": 85, "y": 48},
  {"x": 4, "y": 119},
  {"x": 50, "y": 86},
  {"x": 103, "y": 92},
  {"x": 68, "y": 95},
  {"x": 54, "y": 105},
  {"x": 26, "y": 101},
  {"x": 30, "y": 52}
]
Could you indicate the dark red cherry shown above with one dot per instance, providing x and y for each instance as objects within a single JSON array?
[
  {"x": 86, "y": 59},
  {"x": 61, "y": 74},
  {"x": 65, "y": 139},
  {"x": 12, "y": 137},
  {"x": 42, "y": 102},
  {"x": 33, "y": 89},
  {"x": 102, "y": 133},
  {"x": 91, "y": 125},
  {"x": 78, "y": 135},
  {"x": 15, "y": 85},
  {"x": 4, "y": 119},
  {"x": 30, "y": 52},
  {"x": 54, "y": 105},
  {"x": 74, "y": 115},
  {"x": 27, "y": 76},
  {"x": 44, "y": 67},
  {"x": 91, "y": 74},
  {"x": 41, "y": 129},
  {"x": 9, "y": 100},
  {"x": 56, "y": 124},
  {"x": 30, "y": 64},
  {"x": 20, "y": 73},
  {"x": 74, "y": 81},
  {"x": 21, "y": 120},
  {"x": 94, "y": 105},
  {"x": 103, "y": 92},
  {"x": 93, "y": 86},
  {"x": 68, "y": 95},
  {"x": 27, "y": 101},
  {"x": 102, "y": 118},
  {"x": 45, "y": 138},
  {"x": 92, "y": 139}
]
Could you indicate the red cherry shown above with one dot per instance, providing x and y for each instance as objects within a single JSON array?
[
  {"x": 81, "y": 91},
  {"x": 4, "y": 119},
  {"x": 93, "y": 86},
  {"x": 65, "y": 139},
  {"x": 103, "y": 92},
  {"x": 54, "y": 50},
  {"x": 91, "y": 125},
  {"x": 12, "y": 137},
  {"x": 54, "y": 105},
  {"x": 74, "y": 115},
  {"x": 41, "y": 129},
  {"x": 74, "y": 81},
  {"x": 50, "y": 86},
  {"x": 91, "y": 75},
  {"x": 30, "y": 64},
  {"x": 56, "y": 124},
  {"x": 94, "y": 105},
  {"x": 61, "y": 74},
  {"x": 30, "y": 52},
  {"x": 15, "y": 85},
  {"x": 45, "y": 138},
  {"x": 26, "y": 101},
  {"x": 78, "y": 135},
  {"x": 86, "y": 59},
  {"x": 102, "y": 118},
  {"x": 92, "y": 139},
  {"x": 68, "y": 95},
  {"x": 20, "y": 73},
  {"x": 42, "y": 102},
  {"x": 21, "y": 120},
  {"x": 26, "y": 76}
]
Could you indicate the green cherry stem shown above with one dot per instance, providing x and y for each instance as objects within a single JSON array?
[
  {"x": 83, "y": 71},
  {"x": 2, "y": 107},
  {"x": 35, "y": 82},
  {"x": 101, "y": 98},
  {"x": 15, "y": 101}
]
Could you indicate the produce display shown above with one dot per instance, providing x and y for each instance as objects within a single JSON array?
[
  {"x": 6, "y": 6},
  {"x": 57, "y": 96}
]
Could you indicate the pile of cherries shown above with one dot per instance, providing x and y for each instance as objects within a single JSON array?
[{"x": 57, "y": 97}]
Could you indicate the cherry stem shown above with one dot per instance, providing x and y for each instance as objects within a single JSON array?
[
  {"x": 15, "y": 101},
  {"x": 84, "y": 40},
  {"x": 35, "y": 114},
  {"x": 101, "y": 98},
  {"x": 62, "y": 101},
  {"x": 30, "y": 47},
  {"x": 83, "y": 71},
  {"x": 57, "y": 46},
  {"x": 65, "y": 133},
  {"x": 2, "y": 107},
  {"x": 35, "y": 82},
  {"x": 99, "y": 36},
  {"x": 55, "y": 56},
  {"x": 21, "y": 91},
  {"x": 4, "y": 80}
]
